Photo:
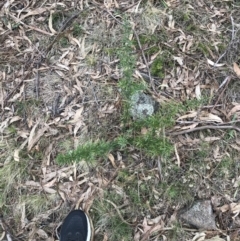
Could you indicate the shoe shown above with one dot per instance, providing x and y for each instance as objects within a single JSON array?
[{"x": 76, "y": 227}]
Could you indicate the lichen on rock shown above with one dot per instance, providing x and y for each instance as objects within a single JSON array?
[{"x": 142, "y": 105}]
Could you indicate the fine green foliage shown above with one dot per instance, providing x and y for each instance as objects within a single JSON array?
[
  {"x": 127, "y": 64},
  {"x": 88, "y": 152},
  {"x": 154, "y": 146},
  {"x": 162, "y": 62},
  {"x": 11, "y": 173}
]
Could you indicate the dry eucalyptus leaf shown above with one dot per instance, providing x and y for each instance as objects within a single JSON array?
[
  {"x": 210, "y": 62},
  {"x": 192, "y": 114},
  {"x": 205, "y": 116},
  {"x": 236, "y": 69},
  {"x": 216, "y": 238}
]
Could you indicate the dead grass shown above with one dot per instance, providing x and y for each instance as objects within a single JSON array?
[{"x": 60, "y": 88}]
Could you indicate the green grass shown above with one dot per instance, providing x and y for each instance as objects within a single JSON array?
[
  {"x": 88, "y": 152},
  {"x": 38, "y": 203},
  {"x": 108, "y": 220},
  {"x": 11, "y": 173}
]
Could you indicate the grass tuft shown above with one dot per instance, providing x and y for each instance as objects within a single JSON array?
[{"x": 88, "y": 152}]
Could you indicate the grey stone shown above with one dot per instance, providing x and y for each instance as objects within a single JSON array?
[
  {"x": 200, "y": 215},
  {"x": 142, "y": 105}
]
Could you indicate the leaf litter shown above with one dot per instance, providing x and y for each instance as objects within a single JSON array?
[{"x": 59, "y": 89}]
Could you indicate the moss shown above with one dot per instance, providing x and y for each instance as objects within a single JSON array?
[
  {"x": 163, "y": 61},
  {"x": 63, "y": 42},
  {"x": 191, "y": 28},
  {"x": 204, "y": 48},
  {"x": 77, "y": 30},
  {"x": 91, "y": 60},
  {"x": 109, "y": 51}
]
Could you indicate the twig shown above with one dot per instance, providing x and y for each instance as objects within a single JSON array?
[
  {"x": 37, "y": 82},
  {"x": 55, "y": 105},
  {"x": 145, "y": 60},
  {"x": 229, "y": 78},
  {"x": 119, "y": 213},
  {"x": 220, "y": 58},
  {"x": 233, "y": 31},
  {"x": 160, "y": 169},
  {"x": 204, "y": 128}
]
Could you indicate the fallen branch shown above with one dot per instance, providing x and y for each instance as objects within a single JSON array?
[
  {"x": 119, "y": 213},
  {"x": 205, "y": 128}
]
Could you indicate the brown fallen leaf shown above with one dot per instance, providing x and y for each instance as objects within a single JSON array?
[
  {"x": 34, "y": 137},
  {"x": 112, "y": 160},
  {"x": 34, "y": 12},
  {"x": 205, "y": 116},
  {"x": 236, "y": 69},
  {"x": 233, "y": 111},
  {"x": 216, "y": 238},
  {"x": 191, "y": 114}
]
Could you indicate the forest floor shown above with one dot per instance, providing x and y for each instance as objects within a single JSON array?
[{"x": 68, "y": 69}]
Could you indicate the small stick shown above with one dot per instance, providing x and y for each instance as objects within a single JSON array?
[
  {"x": 160, "y": 169},
  {"x": 229, "y": 78},
  {"x": 233, "y": 31},
  {"x": 145, "y": 60},
  {"x": 119, "y": 213},
  {"x": 37, "y": 82},
  {"x": 205, "y": 128}
]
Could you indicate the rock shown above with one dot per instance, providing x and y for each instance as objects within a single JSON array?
[
  {"x": 200, "y": 215},
  {"x": 142, "y": 105}
]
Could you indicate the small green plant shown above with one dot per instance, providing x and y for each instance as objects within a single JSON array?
[
  {"x": 26, "y": 106},
  {"x": 88, "y": 152},
  {"x": 77, "y": 30},
  {"x": 162, "y": 62},
  {"x": 63, "y": 42}
]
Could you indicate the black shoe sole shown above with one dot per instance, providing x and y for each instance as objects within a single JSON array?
[{"x": 73, "y": 215}]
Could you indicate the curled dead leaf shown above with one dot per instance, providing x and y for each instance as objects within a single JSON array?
[
  {"x": 236, "y": 69},
  {"x": 112, "y": 160},
  {"x": 210, "y": 62},
  {"x": 205, "y": 116},
  {"x": 191, "y": 114},
  {"x": 233, "y": 111}
]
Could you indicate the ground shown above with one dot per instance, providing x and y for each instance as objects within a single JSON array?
[{"x": 68, "y": 70}]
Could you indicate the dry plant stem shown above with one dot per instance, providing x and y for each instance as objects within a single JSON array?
[
  {"x": 229, "y": 79},
  {"x": 160, "y": 169},
  {"x": 145, "y": 60},
  {"x": 205, "y": 128},
  {"x": 37, "y": 82},
  {"x": 119, "y": 213}
]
